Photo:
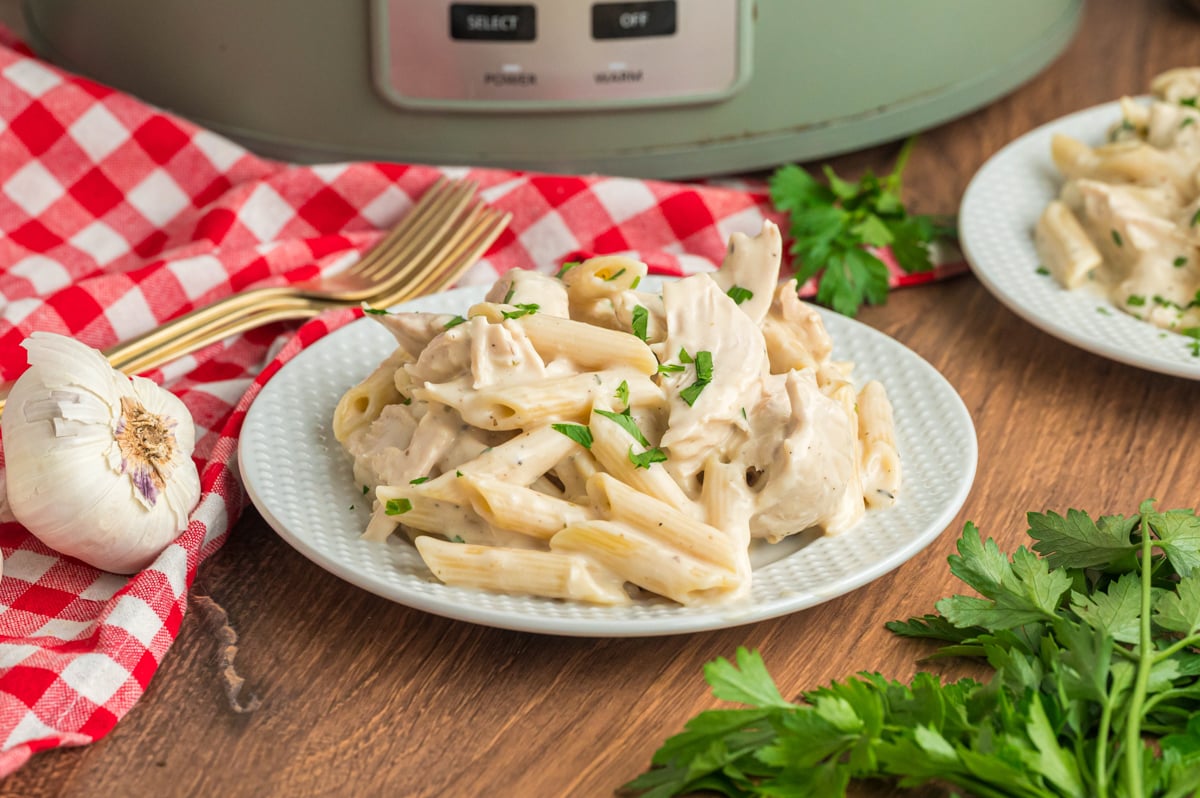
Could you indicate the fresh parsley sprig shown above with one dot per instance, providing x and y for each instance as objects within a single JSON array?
[
  {"x": 834, "y": 226},
  {"x": 1094, "y": 637}
]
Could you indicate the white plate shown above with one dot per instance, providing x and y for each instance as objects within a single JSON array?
[
  {"x": 300, "y": 480},
  {"x": 999, "y": 210}
]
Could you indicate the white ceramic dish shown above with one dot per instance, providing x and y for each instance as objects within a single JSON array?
[
  {"x": 999, "y": 210},
  {"x": 300, "y": 480}
]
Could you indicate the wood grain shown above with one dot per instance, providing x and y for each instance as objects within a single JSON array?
[{"x": 363, "y": 697}]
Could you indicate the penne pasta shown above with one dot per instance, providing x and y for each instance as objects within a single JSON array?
[
  {"x": 555, "y": 399},
  {"x": 662, "y": 522},
  {"x": 541, "y": 573},
  {"x": 573, "y": 437},
  {"x": 602, "y": 278},
  {"x": 641, "y": 560},
  {"x": 880, "y": 457},
  {"x": 589, "y": 347},
  {"x": 612, "y": 447},
  {"x": 363, "y": 403},
  {"x": 521, "y": 510}
]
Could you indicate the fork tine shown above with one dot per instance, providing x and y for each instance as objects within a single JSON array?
[
  {"x": 409, "y": 243},
  {"x": 466, "y": 253},
  {"x": 401, "y": 265}
]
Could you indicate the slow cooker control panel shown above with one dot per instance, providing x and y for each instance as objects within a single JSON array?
[{"x": 559, "y": 54}]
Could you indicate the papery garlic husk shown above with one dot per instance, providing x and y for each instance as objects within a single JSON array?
[{"x": 98, "y": 464}]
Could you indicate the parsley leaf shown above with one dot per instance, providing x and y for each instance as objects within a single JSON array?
[
  {"x": 524, "y": 309},
  {"x": 454, "y": 322},
  {"x": 625, "y": 422},
  {"x": 834, "y": 225},
  {"x": 1078, "y": 542},
  {"x": 622, "y": 394},
  {"x": 576, "y": 432},
  {"x": 397, "y": 506},
  {"x": 646, "y": 458},
  {"x": 1095, "y": 651},
  {"x": 566, "y": 267},
  {"x": 704, "y": 368},
  {"x": 640, "y": 317},
  {"x": 376, "y": 311},
  {"x": 739, "y": 294}
]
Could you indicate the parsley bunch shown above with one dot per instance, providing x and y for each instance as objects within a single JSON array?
[
  {"x": 1094, "y": 637},
  {"x": 835, "y": 225}
]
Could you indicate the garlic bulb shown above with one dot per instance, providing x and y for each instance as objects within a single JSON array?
[{"x": 98, "y": 465}]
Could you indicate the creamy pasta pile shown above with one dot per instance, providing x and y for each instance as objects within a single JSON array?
[
  {"x": 577, "y": 438},
  {"x": 1127, "y": 220}
]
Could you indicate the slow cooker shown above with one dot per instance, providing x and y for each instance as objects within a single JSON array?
[{"x": 658, "y": 88}]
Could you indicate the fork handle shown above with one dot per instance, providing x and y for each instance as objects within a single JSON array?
[
  {"x": 194, "y": 319},
  {"x": 218, "y": 329}
]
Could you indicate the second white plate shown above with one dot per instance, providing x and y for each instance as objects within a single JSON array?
[
  {"x": 1000, "y": 208},
  {"x": 301, "y": 481}
]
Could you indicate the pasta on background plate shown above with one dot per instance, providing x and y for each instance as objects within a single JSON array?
[
  {"x": 577, "y": 438},
  {"x": 1127, "y": 219}
]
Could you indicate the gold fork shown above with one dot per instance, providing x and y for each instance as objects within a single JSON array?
[
  {"x": 438, "y": 271},
  {"x": 437, "y": 241},
  {"x": 390, "y": 263}
]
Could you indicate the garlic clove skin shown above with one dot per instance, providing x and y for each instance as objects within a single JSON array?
[{"x": 98, "y": 465}]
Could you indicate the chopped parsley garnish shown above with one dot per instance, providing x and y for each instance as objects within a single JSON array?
[
  {"x": 625, "y": 422},
  {"x": 1135, "y": 300},
  {"x": 1179, "y": 262},
  {"x": 376, "y": 311},
  {"x": 612, "y": 277},
  {"x": 405, "y": 400},
  {"x": 623, "y": 393},
  {"x": 744, "y": 414},
  {"x": 1190, "y": 102},
  {"x": 1103, "y": 311},
  {"x": 684, "y": 357},
  {"x": 1195, "y": 218},
  {"x": 1187, "y": 120},
  {"x": 522, "y": 310},
  {"x": 576, "y": 432},
  {"x": 366, "y": 490},
  {"x": 1042, "y": 270},
  {"x": 457, "y": 539},
  {"x": 454, "y": 322},
  {"x": 636, "y": 282},
  {"x": 512, "y": 289},
  {"x": 739, "y": 294},
  {"x": 397, "y": 506},
  {"x": 640, "y": 317},
  {"x": 458, "y": 473},
  {"x": 647, "y": 457},
  {"x": 566, "y": 267},
  {"x": 1116, "y": 237},
  {"x": 418, "y": 480},
  {"x": 704, "y": 366},
  {"x": 669, "y": 368}
]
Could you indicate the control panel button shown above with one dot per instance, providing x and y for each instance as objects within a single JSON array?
[
  {"x": 488, "y": 22},
  {"x": 630, "y": 20}
]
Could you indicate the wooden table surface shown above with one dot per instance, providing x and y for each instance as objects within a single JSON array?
[{"x": 360, "y": 696}]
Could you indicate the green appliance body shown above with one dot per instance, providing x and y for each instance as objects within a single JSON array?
[{"x": 661, "y": 88}]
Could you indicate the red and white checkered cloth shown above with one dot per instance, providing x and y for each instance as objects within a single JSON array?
[{"x": 114, "y": 217}]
